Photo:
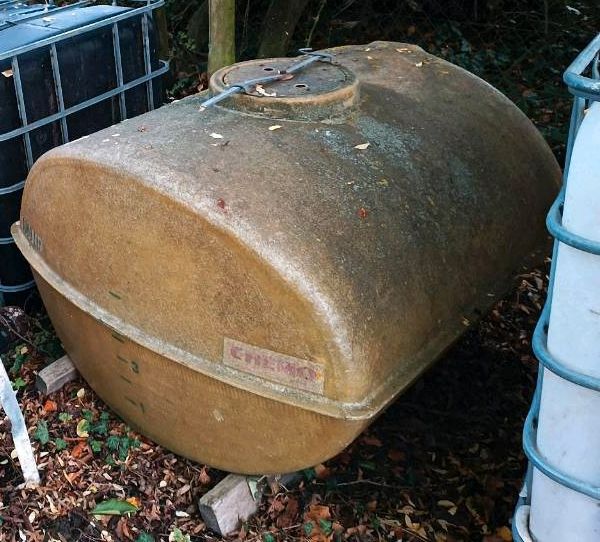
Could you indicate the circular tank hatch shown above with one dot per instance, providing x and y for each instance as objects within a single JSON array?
[{"x": 321, "y": 90}]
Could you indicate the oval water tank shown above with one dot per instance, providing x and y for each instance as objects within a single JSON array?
[{"x": 251, "y": 284}]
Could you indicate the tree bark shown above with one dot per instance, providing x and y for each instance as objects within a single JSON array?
[
  {"x": 222, "y": 34},
  {"x": 164, "y": 47},
  {"x": 279, "y": 25}
]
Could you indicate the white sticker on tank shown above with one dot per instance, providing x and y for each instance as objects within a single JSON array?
[{"x": 293, "y": 372}]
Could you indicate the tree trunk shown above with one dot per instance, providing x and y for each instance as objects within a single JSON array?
[
  {"x": 222, "y": 34},
  {"x": 164, "y": 47},
  {"x": 279, "y": 25}
]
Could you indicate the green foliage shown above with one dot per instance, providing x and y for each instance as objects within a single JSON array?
[
  {"x": 45, "y": 340},
  {"x": 18, "y": 383},
  {"x": 309, "y": 474},
  {"x": 64, "y": 417},
  {"x": 60, "y": 444},
  {"x": 121, "y": 445},
  {"x": 114, "y": 507},
  {"x": 41, "y": 433},
  {"x": 112, "y": 443},
  {"x": 177, "y": 536},
  {"x": 101, "y": 426},
  {"x": 21, "y": 355},
  {"x": 326, "y": 526},
  {"x": 96, "y": 446},
  {"x": 144, "y": 537}
]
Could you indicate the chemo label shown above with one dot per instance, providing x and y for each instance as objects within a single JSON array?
[{"x": 293, "y": 372}]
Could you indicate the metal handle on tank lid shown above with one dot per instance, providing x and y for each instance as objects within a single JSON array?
[{"x": 249, "y": 84}]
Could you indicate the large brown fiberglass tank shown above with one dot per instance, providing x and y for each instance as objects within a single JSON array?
[{"x": 251, "y": 284}]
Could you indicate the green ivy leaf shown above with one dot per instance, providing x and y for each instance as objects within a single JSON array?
[
  {"x": 308, "y": 528},
  {"x": 19, "y": 383},
  {"x": 100, "y": 427},
  {"x": 144, "y": 537},
  {"x": 21, "y": 356},
  {"x": 113, "y": 442},
  {"x": 268, "y": 537},
  {"x": 326, "y": 526},
  {"x": 64, "y": 417},
  {"x": 96, "y": 446},
  {"x": 114, "y": 507},
  {"x": 309, "y": 474},
  {"x": 41, "y": 433},
  {"x": 60, "y": 444}
]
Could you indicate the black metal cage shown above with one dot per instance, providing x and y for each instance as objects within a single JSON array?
[{"x": 65, "y": 72}]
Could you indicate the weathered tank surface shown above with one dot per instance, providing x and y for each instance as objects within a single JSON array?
[{"x": 251, "y": 284}]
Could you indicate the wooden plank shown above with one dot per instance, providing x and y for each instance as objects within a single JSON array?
[
  {"x": 56, "y": 375},
  {"x": 221, "y": 48},
  {"x": 231, "y": 501}
]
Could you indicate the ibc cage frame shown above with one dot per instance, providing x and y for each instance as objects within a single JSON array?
[
  {"x": 585, "y": 90},
  {"x": 50, "y": 9}
]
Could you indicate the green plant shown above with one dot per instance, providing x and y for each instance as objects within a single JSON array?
[{"x": 41, "y": 433}]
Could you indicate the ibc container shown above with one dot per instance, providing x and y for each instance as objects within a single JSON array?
[
  {"x": 251, "y": 284},
  {"x": 65, "y": 72}
]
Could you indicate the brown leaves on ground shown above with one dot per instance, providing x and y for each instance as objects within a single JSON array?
[{"x": 80, "y": 472}]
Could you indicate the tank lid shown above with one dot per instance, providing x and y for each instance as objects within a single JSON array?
[{"x": 321, "y": 90}]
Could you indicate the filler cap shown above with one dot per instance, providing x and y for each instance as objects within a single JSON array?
[{"x": 321, "y": 90}]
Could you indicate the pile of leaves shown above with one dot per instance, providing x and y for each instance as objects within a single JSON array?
[{"x": 444, "y": 463}]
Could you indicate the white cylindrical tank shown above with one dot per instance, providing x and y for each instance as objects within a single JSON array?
[{"x": 568, "y": 435}]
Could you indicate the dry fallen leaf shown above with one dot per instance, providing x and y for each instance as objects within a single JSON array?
[
  {"x": 82, "y": 427},
  {"x": 274, "y": 127},
  {"x": 372, "y": 441},
  {"x": 418, "y": 64},
  {"x": 204, "y": 476},
  {"x": 81, "y": 393},
  {"x": 50, "y": 406},
  {"x": 317, "y": 512},
  {"x": 504, "y": 533},
  {"x": 362, "y": 146},
  {"x": 216, "y": 136},
  {"x": 322, "y": 472},
  {"x": 260, "y": 89},
  {"x": 78, "y": 451},
  {"x": 396, "y": 456},
  {"x": 135, "y": 501}
]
